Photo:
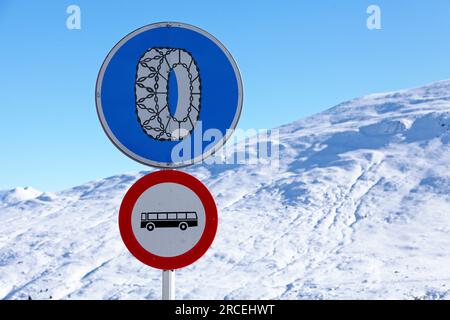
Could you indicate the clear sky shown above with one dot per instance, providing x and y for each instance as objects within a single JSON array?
[{"x": 296, "y": 58}]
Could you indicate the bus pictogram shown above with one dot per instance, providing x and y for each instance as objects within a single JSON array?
[{"x": 180, "y": 219}]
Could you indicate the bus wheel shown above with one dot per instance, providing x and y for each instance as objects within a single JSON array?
[
  {"x": 150, "y": 227},
  {"x": 183, "y": 226}
]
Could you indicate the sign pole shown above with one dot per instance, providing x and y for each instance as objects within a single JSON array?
[{"x": 168, "y": 284}]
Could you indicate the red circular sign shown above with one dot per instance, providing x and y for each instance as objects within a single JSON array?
[{"x": 126, "y": 224}]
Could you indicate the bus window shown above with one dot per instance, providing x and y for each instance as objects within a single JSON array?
[
  {"x": 143, "y": 216},
  {"x": 172, "y": 216},
  {"x": 152, "y": 216},
  {"x": 181, "y": 215},
  {"x": 192, "y": 216},
  {"x": 162, "y": 216}
]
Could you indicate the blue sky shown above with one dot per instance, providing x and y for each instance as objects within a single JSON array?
[{"x": 296, "y": 58}]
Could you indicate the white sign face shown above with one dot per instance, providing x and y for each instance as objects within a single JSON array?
[{"x": 168, "y": 219}]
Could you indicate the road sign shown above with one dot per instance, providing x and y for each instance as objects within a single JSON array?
[
  {"x": 166, "y": 84},
  {"x": 168, "y": 219}
]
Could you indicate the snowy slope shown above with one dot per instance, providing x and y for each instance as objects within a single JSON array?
[{"x": 358, "y": 208}]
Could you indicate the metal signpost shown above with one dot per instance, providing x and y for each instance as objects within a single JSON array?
[
  {"x": 168, "y": 285},
  {"x": 160, "y": 90}
]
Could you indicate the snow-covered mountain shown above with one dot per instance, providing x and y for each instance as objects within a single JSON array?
[
  {"x": 358, "y": 208},
  {"x": 18, "y": 194}
]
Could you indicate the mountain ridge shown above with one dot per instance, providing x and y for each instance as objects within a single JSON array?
[{"x": 432, "y": 87}]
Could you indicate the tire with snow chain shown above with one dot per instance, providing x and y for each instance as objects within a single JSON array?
[{"x": 152, "y": 89}]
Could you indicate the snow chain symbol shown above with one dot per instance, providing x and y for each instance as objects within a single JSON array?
[{"x": 155, "y": 116}]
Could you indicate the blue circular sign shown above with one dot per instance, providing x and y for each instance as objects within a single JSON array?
[{"x": 169, "y": 94}]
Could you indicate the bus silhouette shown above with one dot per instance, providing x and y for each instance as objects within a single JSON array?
[{"x": 180, "y": 219}]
